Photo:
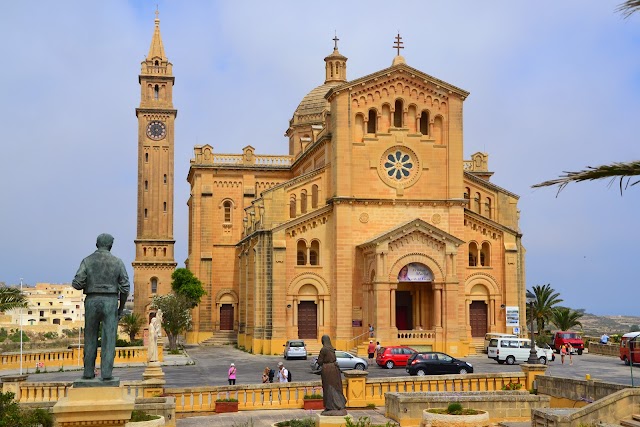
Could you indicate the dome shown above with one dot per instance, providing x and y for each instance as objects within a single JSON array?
[{"x": 314, "y": 102}]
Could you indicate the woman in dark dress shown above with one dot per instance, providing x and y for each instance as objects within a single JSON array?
[{"x": 334, "y": 401}]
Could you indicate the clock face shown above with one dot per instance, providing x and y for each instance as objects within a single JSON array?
[{"x": 156, "y": 130}]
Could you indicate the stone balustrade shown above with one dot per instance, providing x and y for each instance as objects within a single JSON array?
[{"x": 56, "y": 359}]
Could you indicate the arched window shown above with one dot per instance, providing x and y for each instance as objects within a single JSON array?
[
  {"x": 424, "y": 122},
  {"x": 145, "y": 212},
  {"x": 487, "y": 207},
  {"x": 301, "y": 253},
  {"x": 476, "y": 202},
  {"x": 146, "y": 157},
  {"x": 292, "y": 206},
  {"x": 164, "y": 252},
  {"x": 314, "y": 253},
  {"x": 303, "y": 201},
  {"x": 144, "y": 251},
  {"x": 164, "y": 206},
  {"x": 473, "y": 254},
  {"x": 467, "y": 193},
  {"x": 412, "y": 118},
  {"x": 146, "y": 185},
  {"x": 164, "y": 178},
  {"x": 227, "y": 211},
  {"x": 314, "y": 196},
  {"x": 485, "y": 255},
  {"x": 156, "y": 92},
  {"x": 154, "y": 285},
  {"x": 397, "y": 114},
  {"x": 372, "y": 124}
]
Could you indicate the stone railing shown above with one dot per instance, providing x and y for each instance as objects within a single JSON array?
[
  {"x": 56, "y": 359},
  {"x": 604, "y": 349},
  {"x": 290, "y": 395},
  {"x": 204, "y": 155},
  {"x": 359, "y": 391},
  {"x": 416, "y": 337}
]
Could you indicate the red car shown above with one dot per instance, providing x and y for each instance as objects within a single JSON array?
[{"x": 395, "y": 355}]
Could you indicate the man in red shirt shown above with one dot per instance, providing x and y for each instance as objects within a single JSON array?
[{"x": 371, "y": 349}]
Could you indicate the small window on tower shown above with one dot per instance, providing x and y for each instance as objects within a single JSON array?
[
  {"x": 164, "y": 206},
  {"x": 156, "y": 92},
  {"x": 154, "y": 285},
  {"x": 146, "y": 185},
  {"x": 227, "y": 211},
  {"x": 146, "y": 157},
  {"x": 165, "y": 178},
  {"x": 145, "y": 213}
]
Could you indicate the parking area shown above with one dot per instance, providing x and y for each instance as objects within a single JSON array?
[{"x": 211, "y": 364}]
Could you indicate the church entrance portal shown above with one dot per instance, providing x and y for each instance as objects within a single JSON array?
[
  {"x": 478, "y": 318},
  {"x": 404, "y": 314},
  {"x": 307, "y": 320},
  {"x": 226, "y": 317}
]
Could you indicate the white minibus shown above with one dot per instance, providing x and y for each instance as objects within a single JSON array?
[
  {"x": 489, "y": 335},
  {"x": 511, "y": 350}
]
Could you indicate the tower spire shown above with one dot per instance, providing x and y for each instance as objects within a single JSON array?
[
  {"x": 157, "y": 49},
  {"x": 336, "y": 65}
]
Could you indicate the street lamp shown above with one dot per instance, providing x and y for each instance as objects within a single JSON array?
[
  {"x": 21, "y": 329},
  {"x": 533, "y": 355}
]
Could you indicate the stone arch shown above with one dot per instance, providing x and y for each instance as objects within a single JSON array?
[
  {"x": 227, "y": 296},
  {"x": 436, "y": 269},
  {"x": 304, "y": 279},
  {"x": 482, "y": 279}
]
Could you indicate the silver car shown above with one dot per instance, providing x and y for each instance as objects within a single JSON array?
[
  {"x": 295, "y": 348},
  {"x": 345, "y": 361}
]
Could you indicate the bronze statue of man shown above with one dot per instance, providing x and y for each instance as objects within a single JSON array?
[{"x": 105, "y": 283}]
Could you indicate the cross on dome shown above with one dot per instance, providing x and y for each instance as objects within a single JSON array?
[{"x": 398, "y": 43}]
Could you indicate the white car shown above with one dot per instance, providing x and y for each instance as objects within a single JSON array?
[
  {"x": 295, "y": 348},
  {"x": 345, "y": 361},
  {"x": 512, "y": 350}
]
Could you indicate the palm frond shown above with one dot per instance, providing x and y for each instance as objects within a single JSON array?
[
  {"x": 621, "y": 171},
  {"x": 628, "y": 8}
]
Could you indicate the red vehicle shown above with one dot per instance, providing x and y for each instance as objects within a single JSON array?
[
  {"x": 395, "y": 355},
  {"x": 565, "y": 337},
  {"x": 630, "y": 344}
]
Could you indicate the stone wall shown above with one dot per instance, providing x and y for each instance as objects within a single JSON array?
[
  {"x": 406, "y": 408},
  {"x": 576, "y": 390},
  {"x": 605, "y": 349}
]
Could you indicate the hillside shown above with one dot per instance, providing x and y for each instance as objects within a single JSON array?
[{"x": 595, "y": 325}]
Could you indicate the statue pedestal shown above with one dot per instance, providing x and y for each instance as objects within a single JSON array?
[
  {"x": 94, "y": 406},
  {"x": 153, "y": 371},
  {"x": 331, "y": 421}
]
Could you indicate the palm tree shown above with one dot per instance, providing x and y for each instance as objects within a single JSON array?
[
  {"x": 566, "y": 319},
  {"x": 622, "y": 171},
  {"x": 131, "y": 324},
  {"x": 544, "y": 304},
  {"x": 11, "y": 298}
]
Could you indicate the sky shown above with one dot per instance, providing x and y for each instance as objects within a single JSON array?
[{"x": 554, "y": 87}]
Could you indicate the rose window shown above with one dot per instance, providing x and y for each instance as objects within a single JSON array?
[{"x": 398, "y": 165}]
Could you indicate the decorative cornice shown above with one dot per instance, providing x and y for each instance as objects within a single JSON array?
[
  {"x": 398, "y": 202},
  {"x": 471, "y": 216},
  {"x": 485, "y": 183},
  {"x": 169, "y": 111}
]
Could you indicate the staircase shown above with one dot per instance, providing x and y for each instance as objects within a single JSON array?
[
  {"x": 633, "y": 422},
  {"x": 221, "y": 338},
  {"x": 313, "y": 347},
  {"x": 478, "y": 344}
]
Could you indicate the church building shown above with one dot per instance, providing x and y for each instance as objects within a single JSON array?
[{"x": 373, "y": 217}]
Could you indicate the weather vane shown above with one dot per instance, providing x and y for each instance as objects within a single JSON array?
[
  {"x": 398, "y": 43},
  {"x": 157, "y": 11}
]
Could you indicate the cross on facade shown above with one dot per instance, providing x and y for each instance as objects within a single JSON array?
[
  {"x": 398, "y": 44},
  {"x": 335, "y": 40}
]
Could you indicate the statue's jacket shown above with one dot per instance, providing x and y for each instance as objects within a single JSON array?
[{"x": 102, "y": 273}]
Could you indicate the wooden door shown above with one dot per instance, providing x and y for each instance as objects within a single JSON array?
[
  {"x": 226, "y": 317},
  {"x": 307, "y": 320},
  {"x": 478, "y": 318}
]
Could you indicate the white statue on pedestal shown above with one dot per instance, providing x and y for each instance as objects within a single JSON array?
[{"x": 155, "y": 332}]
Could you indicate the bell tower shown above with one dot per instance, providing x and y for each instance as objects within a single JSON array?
[{"x": 154, "y": 242}]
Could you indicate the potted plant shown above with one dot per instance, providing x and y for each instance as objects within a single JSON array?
[
  {"x": 313, "y": 401},
  {"x": 142, "y": 419},
  {"x": 226, "y": 405},
  {"x": 512, "y": 386},
  {"x": 455, "y": 414}
]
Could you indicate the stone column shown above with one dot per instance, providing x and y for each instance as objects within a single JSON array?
[
  {"x": 356, "y": 388},
  {"x": 438, "y": 306},
  {"x": 392, "y": 299}
]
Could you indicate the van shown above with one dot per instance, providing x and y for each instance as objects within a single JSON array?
[
  {"x": 573, "y": 339},
  {"x": 511, "y": 350},
  {"x": 489, "y": 335},
  {"x": 630, "y": 346}
]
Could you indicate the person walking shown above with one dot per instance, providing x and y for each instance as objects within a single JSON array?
[
  {"x": 371, "y": 330},
  {"x": 570, "y": 351},
  {"x": 232, "y": 374},
  {"x": 283, "y": 374},
  {"x": 563, "y": 352},
  {"x": 378, "y": 347},
  {"x": 371, "y": 349}
]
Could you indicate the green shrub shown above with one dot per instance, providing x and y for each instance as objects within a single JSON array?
[
  {"x": 366, "y": 422},
  {"x": 229, "y": 399},
  {"x": 304, "y": 422},
  {"x": 50, "y": 335},
  {"x": 137, "y": 416},
  {"x": 454, "y": 408},
  {"x": 313, "y": 396},
  {"x": 512, "y": 386},
  {"x": 11, "y": 415}
]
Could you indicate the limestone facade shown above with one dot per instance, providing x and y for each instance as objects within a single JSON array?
[{"x": 316, "y": 242}]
